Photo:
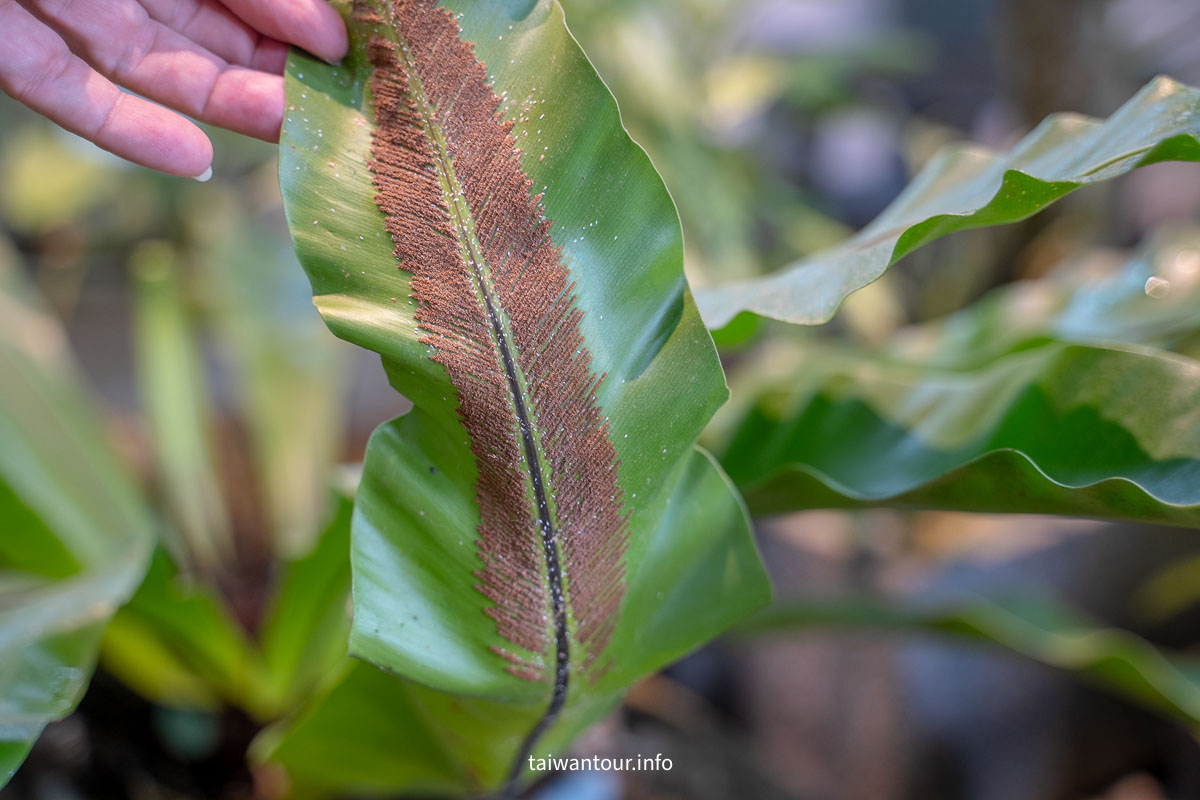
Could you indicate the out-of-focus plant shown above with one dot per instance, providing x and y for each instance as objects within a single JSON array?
[
  {"x": 243, "y": 603},
  {"x": 541, "y": 530},
  {"x": 76, "y": 536},
  {"x": 1033, "y": 626},
  {"x": 700, "y": 95},
  {"x": 966, "y": 187}
]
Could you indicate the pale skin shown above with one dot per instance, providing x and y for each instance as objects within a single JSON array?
[{"x": 217, "y": 61}]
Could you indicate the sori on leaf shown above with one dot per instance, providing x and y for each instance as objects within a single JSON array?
[{"x": 541, "y": 529}]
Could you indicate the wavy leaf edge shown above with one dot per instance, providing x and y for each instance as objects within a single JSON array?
[{"x": 799, "y": 294}]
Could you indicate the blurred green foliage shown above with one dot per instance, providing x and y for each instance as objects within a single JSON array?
[
  {"x": 225, "y": 399},
  {"x": 222, "y": 394}
]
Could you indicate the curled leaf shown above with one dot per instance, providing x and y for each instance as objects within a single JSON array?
[
  {"x": 968, "y": 187},
  {"x": 1058, "y": 429}
]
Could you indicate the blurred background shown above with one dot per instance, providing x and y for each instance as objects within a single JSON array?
[{"x": 780, "y": 127}]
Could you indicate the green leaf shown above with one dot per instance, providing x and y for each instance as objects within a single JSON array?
[
  {"x": 1058, "y": 429},
  {"x": 528, "y": 448},
  {"x": 260, "y": 308},
  {"x": 415, "y": 561},
  {"x": 1152, "y": 299},
  {"x": 370, "y": 733},
  {"x": 991, "y": 409},
  {"x": 305, "y": 633},
  {"x": 174, "y": 393},
  {"x": 1036, "y": 627},
  {"x": 49, "y": 635},
  {"x": 1173, "y": 590},
  {"x": 177, "y": 643},
  {"x": 76, "y": 535},
  {"x": 967, "y": 187},
  {"x": 382, "y": 733}
]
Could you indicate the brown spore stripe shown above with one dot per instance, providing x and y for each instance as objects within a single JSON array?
[{"x": 497, "y": 307}]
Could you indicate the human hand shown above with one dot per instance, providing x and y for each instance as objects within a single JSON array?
[{"x": 218, "y": 61}]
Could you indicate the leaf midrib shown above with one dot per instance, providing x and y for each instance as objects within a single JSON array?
[{"x": 536, "y": 464}]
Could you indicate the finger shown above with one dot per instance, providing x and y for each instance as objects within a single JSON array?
[
  {"x": 121, "y": 41},
  {"x": 38, "y": 69},
  {"x": 217, "y": 29},
  {"x": 311, "y": 24}
]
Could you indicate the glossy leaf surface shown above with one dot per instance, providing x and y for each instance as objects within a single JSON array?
[
  {"x": 966, "y": 187},
  {"x": 1057, "y": 428},
  {"x": 373, "y": 734},
  {"x": 689, "y": 565}
]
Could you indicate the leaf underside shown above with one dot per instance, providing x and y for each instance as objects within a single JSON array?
[
  {"x": 497, "y": 307},
  {"x": 541, "y": 530}
]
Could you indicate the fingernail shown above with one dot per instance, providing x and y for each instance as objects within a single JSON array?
[{"x": 204, "y": 176}]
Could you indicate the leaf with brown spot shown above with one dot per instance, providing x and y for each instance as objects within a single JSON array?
[{"x": 540, "y": 530}]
